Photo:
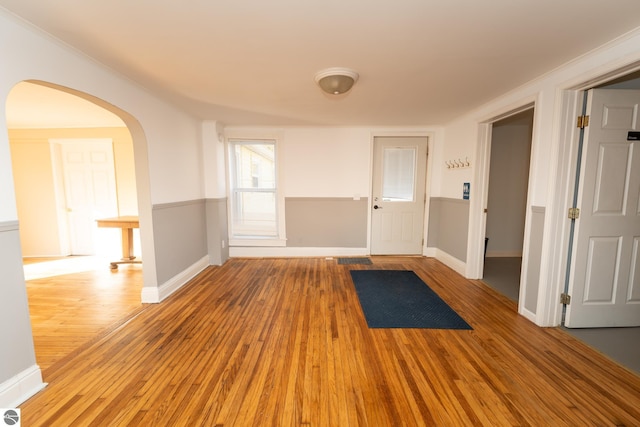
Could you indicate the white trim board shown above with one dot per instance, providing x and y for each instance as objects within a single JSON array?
[
  {"x": 293, "y": 252},
  {"x": 21, "y": 387},
  {"x": 450, "y": 261},
  {"x": 152, "y": 295}
]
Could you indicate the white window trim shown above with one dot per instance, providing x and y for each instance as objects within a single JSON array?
[{"x": 280, "y": 240}]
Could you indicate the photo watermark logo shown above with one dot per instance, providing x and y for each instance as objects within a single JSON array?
[{"x": 10, "y": 417}]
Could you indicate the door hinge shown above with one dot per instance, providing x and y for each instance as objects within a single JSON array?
[
  {"x": 574, "y": 213},
  {"x": 565, "y": 299},
  {"x": 583, "y": 121}
]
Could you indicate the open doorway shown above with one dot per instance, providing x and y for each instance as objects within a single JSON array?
[
  {"x": 506, "y": 202},
  {"x": 71, "y": 298}
]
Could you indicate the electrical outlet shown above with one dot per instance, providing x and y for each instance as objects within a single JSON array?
[{"x": 223, "y": 244}]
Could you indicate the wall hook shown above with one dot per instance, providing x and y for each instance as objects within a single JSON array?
[{"x": 457, "y": 163}]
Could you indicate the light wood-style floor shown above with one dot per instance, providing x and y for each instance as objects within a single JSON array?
[
  {"x": 283, "y": 342},
  {"x": 69, "y": 310},
  {"x": 619, "y": 344}
]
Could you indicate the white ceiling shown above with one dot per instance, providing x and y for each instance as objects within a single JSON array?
[{"x": 252, "y": 62}]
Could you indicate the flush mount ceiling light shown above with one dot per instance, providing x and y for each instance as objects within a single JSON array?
[{"x": 336, "y": 81}]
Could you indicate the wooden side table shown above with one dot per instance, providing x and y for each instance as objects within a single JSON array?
[{"x": 127, "y": 224}]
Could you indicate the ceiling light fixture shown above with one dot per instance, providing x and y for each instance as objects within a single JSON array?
[{"x": 336, "y": 81}]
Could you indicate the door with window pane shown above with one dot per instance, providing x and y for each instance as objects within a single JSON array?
[
  {"x": 253, "y": 189},
  {"x": 397, "y": 218}
]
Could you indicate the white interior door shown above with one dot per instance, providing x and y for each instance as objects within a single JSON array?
[
  {"x": 89, "y": 188},
  {"x": 605, "y": 267},
  {"x": 397, "y": 218}
]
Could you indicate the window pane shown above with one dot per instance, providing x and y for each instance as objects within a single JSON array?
[
  {"x": 254, "y": 214},
  {"x": 254, "y": 165},
  {"x": 398, "y": 176},
  {"x": 253, "y": 192}
]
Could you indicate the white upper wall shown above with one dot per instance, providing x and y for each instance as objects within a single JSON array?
[
  {"x": 173, "y": 137},
  {"x": 461, "y": 135},
  {"x": 318, "y": 161},
  {"x": 325, "y": 162}
]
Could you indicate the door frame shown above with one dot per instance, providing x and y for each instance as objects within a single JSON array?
[
  {"x": 590, "y": 142},
  {"x": 554, "y": 250},
  {"x": 477, "y": 214},
  {"x": 430, "y": 135},
  {"x": 143, "y": 184},
  {"x": 487, "y": 212},
  {"x": 569, "y": 100},
  {"x": 477, "y": 226}
]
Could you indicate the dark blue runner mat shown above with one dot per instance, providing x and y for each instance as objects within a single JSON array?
[{"x": 400, "y": 299}]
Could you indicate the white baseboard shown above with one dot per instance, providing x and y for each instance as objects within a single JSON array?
[
  {"x": 450, "y": 261},
  {"x": 152, "y": 295},
  {"x": 430, "y": 252},
  {"x": 21, "y": 387},
  {"x": 526, "y": 313},
  {"x": 289, "y": 252}
]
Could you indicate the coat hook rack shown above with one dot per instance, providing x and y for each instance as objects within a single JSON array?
[{"x": 458, "y": 163}]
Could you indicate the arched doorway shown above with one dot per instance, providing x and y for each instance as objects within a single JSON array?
[{"x": 74, "y": 298}]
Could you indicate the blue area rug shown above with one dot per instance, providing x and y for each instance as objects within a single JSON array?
[{"x": 400, "y": 299}]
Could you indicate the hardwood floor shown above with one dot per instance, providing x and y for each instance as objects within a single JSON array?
[
  {"x": 68, "y": 310},
  {"x": 282, "y": 342},
  {"x": 620, "y": 344}
]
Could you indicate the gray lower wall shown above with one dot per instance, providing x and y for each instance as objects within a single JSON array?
[
  {"x": 326, "y": 222},
  {"x": 449, "y": 226},
  {"x": 16, "y": 340},
  {"x": 180, "y": 236},
  {"x": 217, "y": 231},
  {"x": 534, "y": 258}
]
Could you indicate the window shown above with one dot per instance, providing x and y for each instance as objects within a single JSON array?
[
  {"x": 254, "y": 201},
  {"x": 399, "y": 168}
]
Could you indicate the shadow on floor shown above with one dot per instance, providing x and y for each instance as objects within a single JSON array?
[{"x": 619, "y": 344}]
